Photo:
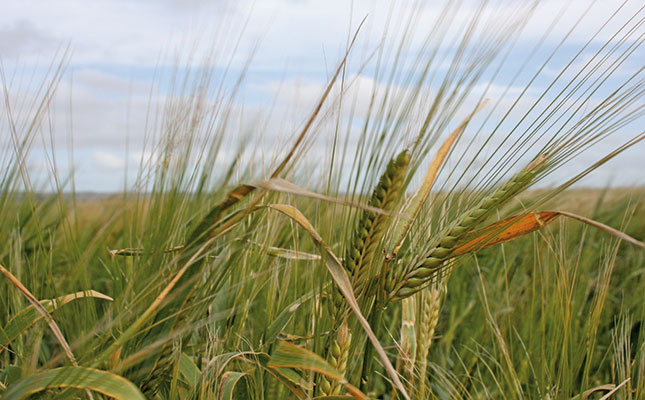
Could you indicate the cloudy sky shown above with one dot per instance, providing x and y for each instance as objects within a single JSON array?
[{"x": 121, "y": 57}]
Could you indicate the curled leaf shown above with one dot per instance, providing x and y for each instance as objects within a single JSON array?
[
  {"x": 519, "y": 225},
  {"x": 228, "y": 383},
  {"x": 29, "y": 315}
]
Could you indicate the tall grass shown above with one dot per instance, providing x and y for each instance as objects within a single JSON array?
[{"x": 193, "y": 286}]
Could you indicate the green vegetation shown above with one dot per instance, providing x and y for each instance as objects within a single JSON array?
[{"x": 212, "y": 282}]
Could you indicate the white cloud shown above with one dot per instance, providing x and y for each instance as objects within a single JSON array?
[
  {"x": 21, "y": 37},
  {"x": 108, "y": 161},
  {"x": 137, "y": 32}
]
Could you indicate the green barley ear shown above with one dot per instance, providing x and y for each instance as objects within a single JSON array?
[
  {"x": 337, "y": 357},
  {"x": 430, "y": 300},
  {"x": 425, "y": 267},
  {"x": 359, "y": 259},
  {"x": 408, "y": 347},
  {"x": 363, "y": 245}
]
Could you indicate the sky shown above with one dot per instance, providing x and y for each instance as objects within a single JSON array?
[{"x": 121, "y": 58}]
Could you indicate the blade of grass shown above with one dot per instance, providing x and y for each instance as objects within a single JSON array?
[
  {"x": 29, "y": 316},
  {"x": 150, "y": 312},
  {"x": 284, "y": 186},
  {"x": 614, "y": 390}
]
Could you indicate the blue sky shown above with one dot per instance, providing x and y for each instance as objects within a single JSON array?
[{"x": 121, "y": 50}]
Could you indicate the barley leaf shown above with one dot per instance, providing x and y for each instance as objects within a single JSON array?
[
  {"x": 228, "y": 383},
  {"x": 288, "y": 355},
  {"x": 284, "y": 186},
  {"x": 283, "y": 319},
  {"x": 42, "y": 311},
  {"x": 95, "y": 380},
  {"x": 189, "y": 370},
  {"x": 29, "y": 315}
]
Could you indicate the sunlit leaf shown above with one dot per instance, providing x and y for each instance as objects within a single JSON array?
[
  {"x": 284, "y": 186},
  {"x": 413, "y": 207},
  {"x": 504, "y": 231}
]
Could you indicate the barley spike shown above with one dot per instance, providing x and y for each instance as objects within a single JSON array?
[
  {"x": 414, "y": 275},
  {"x": 428, "y": 319},
  {"x": 371, "y": 227}
]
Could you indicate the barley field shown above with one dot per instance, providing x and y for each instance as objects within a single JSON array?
[{"x": 439, "y": 246}]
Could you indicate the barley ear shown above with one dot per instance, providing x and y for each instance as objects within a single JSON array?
[
  {"x": 408, "y": 347},
  {"x": 362, "y": 260},
  {"x": 337, "y": 356},
  {"x": 364, "y": 245},
  {"x": 429, "y": 317},
  {"x": 425, "y": 268}
]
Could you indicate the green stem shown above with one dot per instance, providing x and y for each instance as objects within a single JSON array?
[{"x": 375, "y": 320}]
